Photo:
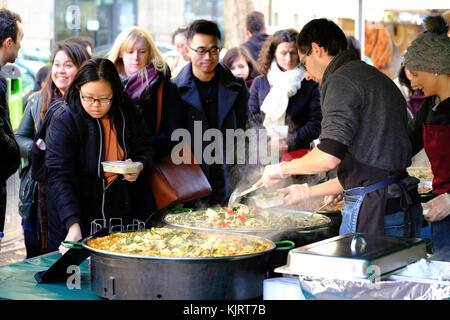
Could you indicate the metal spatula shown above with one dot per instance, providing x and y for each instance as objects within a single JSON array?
[
  {"x": 321, "y": 207},
  {"x": 237, "y": 194}
]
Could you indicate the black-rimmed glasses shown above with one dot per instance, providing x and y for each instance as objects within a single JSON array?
[
  {"x": 302, "y": 60},
  {"x": 214, "y": 51},
  {"x": 104, "y": 101}
]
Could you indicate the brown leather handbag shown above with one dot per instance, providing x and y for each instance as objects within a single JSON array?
[{"x": 173, "y": 184}]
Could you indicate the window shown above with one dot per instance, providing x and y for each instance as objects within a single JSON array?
[{"x": 101, "y": 20}]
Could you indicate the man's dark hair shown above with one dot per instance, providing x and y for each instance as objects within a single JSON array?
[
  {"x": 40, "y": 77},
  {"x": 8, "y": 25},
  {"x": 204, "y": 27},
  {"x": 83, "y": 40},
  {"x": 325, "y": 33},
  {"x": 255, "y": 22},
  {"x": 180, "y": 30},
  {"x": 353, "y": 44}
]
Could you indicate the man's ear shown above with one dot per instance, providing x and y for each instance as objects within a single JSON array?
[
  {"x": 186, "y": 49},
  {"x": 7, "y": 43},
  {"x": 317, "y": 49},
  {"x": 247, "y": 33}
]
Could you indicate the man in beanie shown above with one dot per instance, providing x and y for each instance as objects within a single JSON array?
[
  {"x": 428, "y": 59},
  {"x": 364, "y": 136}
]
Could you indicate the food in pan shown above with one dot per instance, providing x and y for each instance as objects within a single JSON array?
[
  {"x": 122, "y": 167},
  {"x": 422, "y": 173},
  {"x": 424, "y": 188},
  {"x": 243, "y": 217},
  {"x": 269, "y": 200},
  {"x": 167, "y": 242},
  {"x": 334, "y": 206}
]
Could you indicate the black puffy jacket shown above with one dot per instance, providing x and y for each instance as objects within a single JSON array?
[
  {"x": 77, "y": 190},
  {"x": 9, "y": 149}
]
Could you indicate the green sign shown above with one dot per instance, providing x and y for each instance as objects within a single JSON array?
[{"x": 15, "y": 101}]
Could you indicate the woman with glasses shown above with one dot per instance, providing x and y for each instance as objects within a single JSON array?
[
  {"x": 282, "y": 97},
  {"x": 67, "y": 58},
  {"x": 145, "y": 75},
  {"x": 98, "y": 122}
]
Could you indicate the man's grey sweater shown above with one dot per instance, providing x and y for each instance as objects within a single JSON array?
[{"x": 365, "y": 111}]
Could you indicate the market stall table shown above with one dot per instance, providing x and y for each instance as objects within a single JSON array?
[{"x": 17, "y": 281}]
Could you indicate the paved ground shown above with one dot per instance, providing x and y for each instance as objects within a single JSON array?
[{"x": 12, "y": 248}]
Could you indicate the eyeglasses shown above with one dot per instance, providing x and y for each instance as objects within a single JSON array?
[
  {"x": 103, "y": 101},
  {"x": 214, "y": 51},
  {"x": 302, "y": 60}
]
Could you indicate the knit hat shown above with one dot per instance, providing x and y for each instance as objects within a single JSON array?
[{"x": 430, "y": 51}]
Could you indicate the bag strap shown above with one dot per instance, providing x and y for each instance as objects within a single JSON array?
[{"x": 159, "y": 105}]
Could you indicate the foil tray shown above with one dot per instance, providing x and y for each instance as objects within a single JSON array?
[{"x": 354, "y": 256}]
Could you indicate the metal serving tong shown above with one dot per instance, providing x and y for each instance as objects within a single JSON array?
[
  {"x": 322, "y": 207},
  {"x": 237, "y": 194}
]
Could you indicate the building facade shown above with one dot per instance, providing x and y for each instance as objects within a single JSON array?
[{"x": 48, "y": 21}]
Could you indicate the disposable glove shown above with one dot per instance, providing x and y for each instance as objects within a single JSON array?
[
  {"x": 295, "y": 193},
  {"x": 333, "y": 199},
  {"x": 272, "y": 175},
  {"x": 437, "y": 208}
]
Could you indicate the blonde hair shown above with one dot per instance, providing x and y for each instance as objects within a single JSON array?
[{"x": 129, "y": 37}]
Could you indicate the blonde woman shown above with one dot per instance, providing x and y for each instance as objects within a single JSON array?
[{"x": 143, "y": 71}]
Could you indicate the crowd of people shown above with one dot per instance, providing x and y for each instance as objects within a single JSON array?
[{"x": 298, "y": 86}]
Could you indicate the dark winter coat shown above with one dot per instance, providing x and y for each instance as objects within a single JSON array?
[
  {"x": 29, "y": 126},
  {"x": 255, "y": 43},
  {"x": 9, "y": 149},
  {"x": 303, "y": 114},
  {"x": 77, "y": 191},
  {"x": 172, "y": 116}
]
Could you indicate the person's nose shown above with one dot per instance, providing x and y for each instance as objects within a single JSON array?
[{"x": 61, "y": 69}]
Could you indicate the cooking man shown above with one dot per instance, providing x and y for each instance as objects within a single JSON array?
[{"x": 364, "y": 135}]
